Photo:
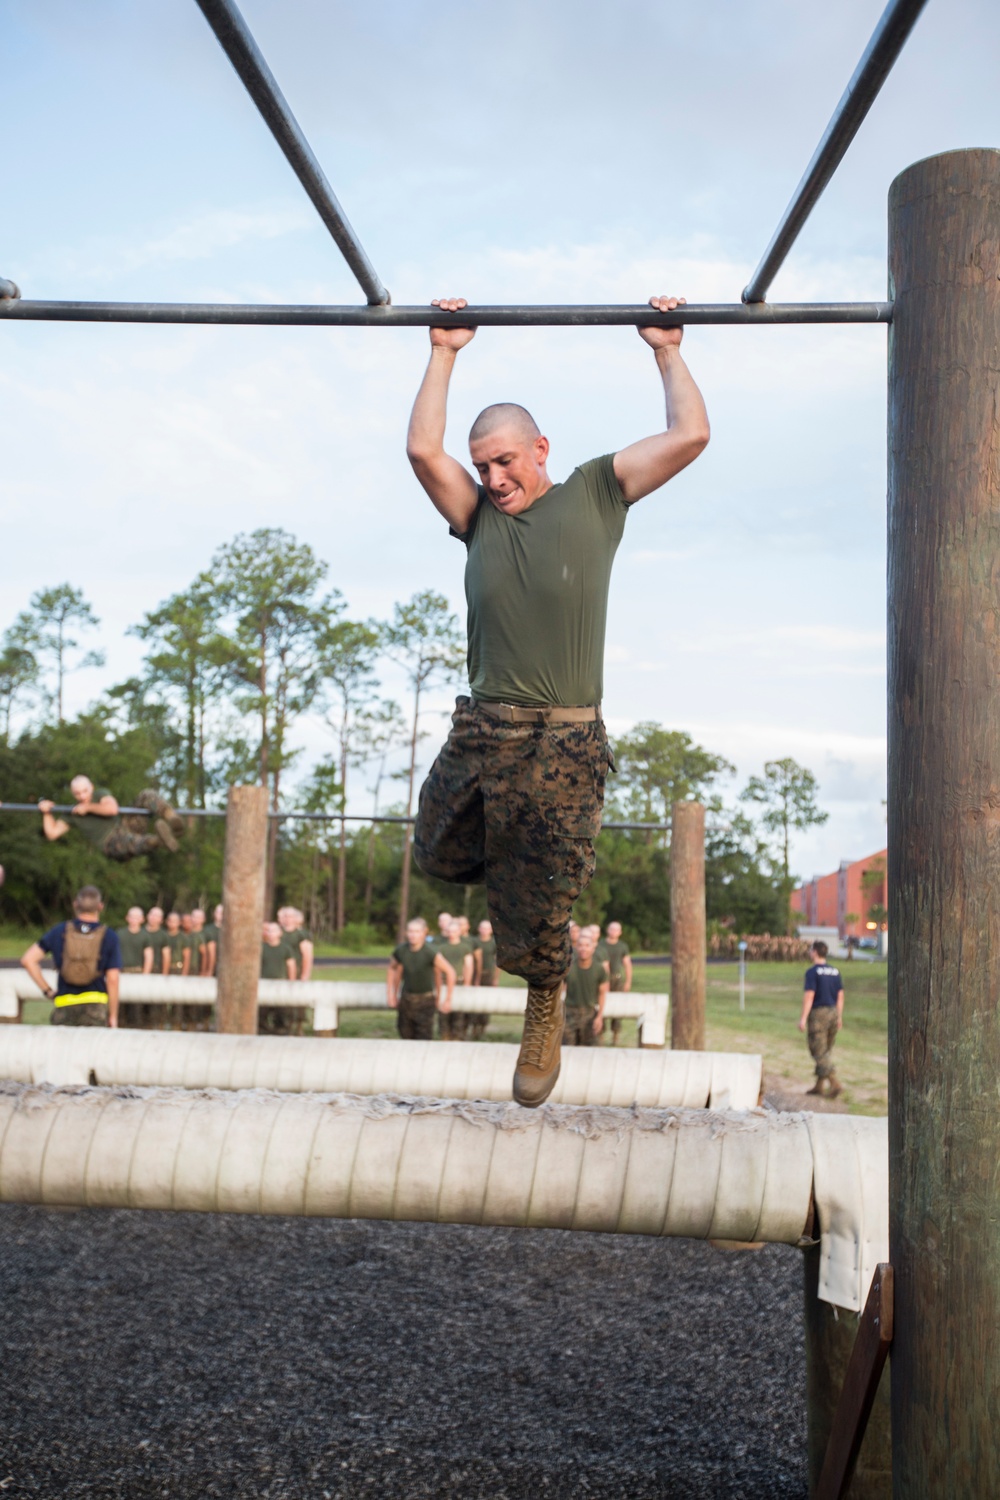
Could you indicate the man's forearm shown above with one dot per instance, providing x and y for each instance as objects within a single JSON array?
[
  {"x": 111, "y": 980},
  {"x": 425, "y": 436},
  {"x": 33, "y": 969},
  {"x": 686, "y": 412}
]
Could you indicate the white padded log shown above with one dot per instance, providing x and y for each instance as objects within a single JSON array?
[
  {"x": 736, "y": 1176},
  {"x": 327, "y": 997},
  {"x": 450, "y": 1070}
]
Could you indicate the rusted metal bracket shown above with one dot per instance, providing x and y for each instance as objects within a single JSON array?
[{"x": 864, "y": 1370}]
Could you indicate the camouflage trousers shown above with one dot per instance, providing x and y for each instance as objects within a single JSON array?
[
  {"x": 578, "y": 1029},
  {"x": 821, "y": 1029},
  {"x": 617, "y": 988},
  {"x": 517, "y": 806},
  {"x": 132, "y": 836},
  {"x": 415, "y": 1017},
  {"x": 95, "y": 1014}
]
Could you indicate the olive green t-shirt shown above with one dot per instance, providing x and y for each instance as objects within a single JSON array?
[
  {"x": 418, "y": 968},
  {"x": 157, "y": 941},
  {"x": 617, "y": 954},
  {"x": 488, "y": 948},
  {"x": 456, "y": 954},
  {"x": 274, "y": 960},
  {"x": 94, "y": 828},
  {"x": 583, "y": 985},
  {"x": 536, "y": 586},
  {"x": 133, "y": 946},
  {"x": 175, "y": 943}
]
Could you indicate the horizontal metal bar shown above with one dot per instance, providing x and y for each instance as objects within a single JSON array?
[
  {"x": 585, "y": 316},
  {"x": 888, "y": 40},
  {"x": 306, "y": 817},
  {"x": 235, "y": 38}
]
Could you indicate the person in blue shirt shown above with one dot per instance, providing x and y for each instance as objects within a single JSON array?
[
  {"x": 88, "y": 960},
  {"x": 823, "y": 1016}
]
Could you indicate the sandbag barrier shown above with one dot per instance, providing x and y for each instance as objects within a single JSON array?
[
  {"x": 749, "y": 1175},
  {"x": 326, "y": 998},
  {"x": 449, "y": 1070}
]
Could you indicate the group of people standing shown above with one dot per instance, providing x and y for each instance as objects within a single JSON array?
[{"x": 425, "y": 972}]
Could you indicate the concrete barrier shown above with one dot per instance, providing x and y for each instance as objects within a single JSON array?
[
  {"x": 451, "y": 1070},
  {"x": 326, "y": 998},
  {"x": 747, "y": 1176}
]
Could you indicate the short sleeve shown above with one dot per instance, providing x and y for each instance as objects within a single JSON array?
[
  {"x": 810, "y": 981},
  {"x": 111, "y": 950},
  {"x": 397, "y": 954},
  {"x": 467, "y": 535},
  {"x": 50, "y": 940},
  {"x": 602, "y": 483},
  {"x": 626, "y": 951}
]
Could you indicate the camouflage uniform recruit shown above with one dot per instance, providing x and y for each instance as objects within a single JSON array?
[
  {"x": 821, "y": 1031},
  {"x": 129, "y": 834},
  {"x": 519, "y": 806}
]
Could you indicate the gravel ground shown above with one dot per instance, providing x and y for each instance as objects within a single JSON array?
[{"x": 187, "y": 1355}]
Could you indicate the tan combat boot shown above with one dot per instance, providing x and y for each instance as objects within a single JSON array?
[
  {"x": 835, "y": 1086},
  {"x": 538, "y": 1060},
  {"x": 819, "y": 1087}
]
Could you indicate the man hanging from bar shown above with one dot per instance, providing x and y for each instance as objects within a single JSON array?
[
  {"x": 515, "y": 796},
  {"x": 95, "y": 815}
]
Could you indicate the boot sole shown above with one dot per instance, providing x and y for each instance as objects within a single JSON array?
[{"x": 534, "y": 1103}]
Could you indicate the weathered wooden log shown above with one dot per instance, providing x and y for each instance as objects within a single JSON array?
[
  {"x": 243, "y": 881},
  {"x": 944, "y": 823},
  {"x": 687, "y": 926}
]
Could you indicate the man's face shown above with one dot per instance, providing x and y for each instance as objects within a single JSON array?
[
  {"x": 81, "y": 788},
  {"x": 574, "y": 932},
  {"x": 614, "y": 931},
  {"x": 454, "y": 930},
  {"x": 218, "y": 915},
  {"x": 444, "y": 918},
  {"x": 594, "y": 932},
  {"x": 197, "y": 919},
  {"x": 272, "y": 933},
  {"x": 415, "y": 933},
  {"x": 154, "y": 920},
  {"x": 286, "y": 919},
  {"x": 186, "y": 923},
  {"x": 463, "y": 926},
  {"x": 486, "y": 931},
  {"x": 510, "y": 469},
  {"x": 585, "y": 945},
  {"x": 133, "y": 918},
  {"x": 173, "y": 922}
]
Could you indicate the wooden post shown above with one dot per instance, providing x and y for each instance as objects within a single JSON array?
[
  {"x": 243, "y": 879},
  {"x": 944, "y": 823},
  {"x": 687, "y": 927},
  {"x": 830, "y": 1338}
]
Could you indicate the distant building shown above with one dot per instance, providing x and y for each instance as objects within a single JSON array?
[{"x": 827, "y": 900}]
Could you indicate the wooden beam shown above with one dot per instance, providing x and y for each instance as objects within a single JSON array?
[
  {"x": 687, "y": 927},
  {"x": 944, "y": 823},
  {"x": 864, "y": 1370},
  {"x": 243, "y": 879}
]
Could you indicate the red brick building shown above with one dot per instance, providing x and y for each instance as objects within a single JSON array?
[{"x": 851, "y": 891}]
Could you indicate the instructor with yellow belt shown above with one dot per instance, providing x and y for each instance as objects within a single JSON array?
[
  {"x": 88, "y": 960},
  {"x": 514, "y": 798}
]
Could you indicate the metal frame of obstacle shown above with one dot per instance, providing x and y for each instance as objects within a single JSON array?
[
  {"x": 237, "y": 42},
  {"x": 944, "y": 759}
]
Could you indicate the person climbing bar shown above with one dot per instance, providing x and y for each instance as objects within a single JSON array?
[
  {"x": 95, "y": 815},
  {"x": 514, "y": 798}
]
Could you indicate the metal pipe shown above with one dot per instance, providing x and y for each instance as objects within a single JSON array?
[
  {"x": 308, "y": 817},
  {"x": 9, "y": 290},
  {"x": 320, "y": 315},
  {"x": 887, "y": 41},
  {"x": 235, "y": 38}
]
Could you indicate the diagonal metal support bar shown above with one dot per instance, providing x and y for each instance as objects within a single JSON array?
[
  {"x": 887, "y": 42},
  {"x": 235, "y": 38},
  {"x": 586, "y": 316}
]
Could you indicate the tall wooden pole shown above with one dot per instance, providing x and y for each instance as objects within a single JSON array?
[
  {"x": 944, "y": 824},
  {"x": 244, "y": 876},
  {"x": 687, "y": 927}
]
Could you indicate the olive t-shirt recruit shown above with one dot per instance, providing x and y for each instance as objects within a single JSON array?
[{"x": 536, "y": 585}]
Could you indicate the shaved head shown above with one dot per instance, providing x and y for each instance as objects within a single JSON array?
[{"x": 505, "y": 414}]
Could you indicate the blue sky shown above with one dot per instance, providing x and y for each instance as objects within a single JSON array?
[{"x": 530, "y": 153}]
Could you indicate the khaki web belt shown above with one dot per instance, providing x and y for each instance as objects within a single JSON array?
[{"x": 515, "y": 713}]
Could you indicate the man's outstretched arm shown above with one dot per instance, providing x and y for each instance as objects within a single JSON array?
[
  {"x": 646, "y": 465},
  {"x": 448, "y": 483}
]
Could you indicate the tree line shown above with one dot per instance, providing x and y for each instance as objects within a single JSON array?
[{"x": 232, "y": 664}]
